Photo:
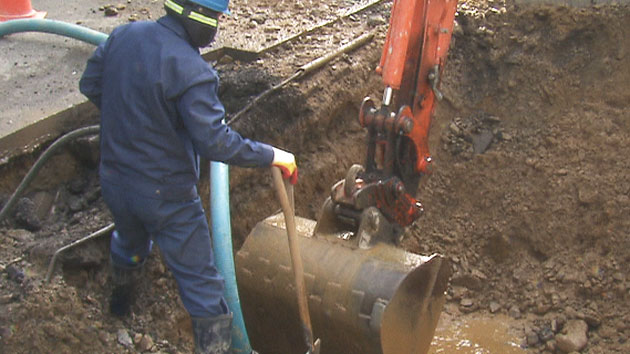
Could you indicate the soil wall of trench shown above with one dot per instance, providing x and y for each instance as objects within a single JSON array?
[{"x": 529, "y": 196}]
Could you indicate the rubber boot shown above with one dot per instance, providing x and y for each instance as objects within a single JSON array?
[
  {"x": 213, "y": 335},
  {"x": 124, "y": 281}
]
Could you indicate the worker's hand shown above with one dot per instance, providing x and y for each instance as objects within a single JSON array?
[{"x": 286, "y": 162}]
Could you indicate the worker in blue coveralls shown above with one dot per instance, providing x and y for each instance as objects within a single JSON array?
[{"x": 160, "y": 113}]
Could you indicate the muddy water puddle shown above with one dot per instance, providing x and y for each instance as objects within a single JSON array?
[{"x": 475, "y": 335}]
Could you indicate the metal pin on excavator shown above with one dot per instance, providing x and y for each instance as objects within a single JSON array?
[{"x": 365, "y": 294}]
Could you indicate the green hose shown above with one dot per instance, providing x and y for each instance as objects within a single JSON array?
[{"x": 55, "y": 27}]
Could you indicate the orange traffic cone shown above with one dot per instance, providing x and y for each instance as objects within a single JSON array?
[{"x": 16, "y": 9}]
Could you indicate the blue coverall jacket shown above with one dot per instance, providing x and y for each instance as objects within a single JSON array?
[
  {"x": 159, "y": 113},
  {"x": 160, "y": 110}
]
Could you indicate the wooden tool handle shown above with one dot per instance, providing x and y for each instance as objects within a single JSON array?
[{"x": 296, "y": 259}]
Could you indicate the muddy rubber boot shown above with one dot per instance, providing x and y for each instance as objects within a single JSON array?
[
  {"x": 213, "y": 335},
  {"x": 124, "y": 281}
]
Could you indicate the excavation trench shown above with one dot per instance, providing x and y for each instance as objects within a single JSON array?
[{"x": 528, "y": 198}]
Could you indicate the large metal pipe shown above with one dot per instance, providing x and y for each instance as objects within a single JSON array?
[{"x": 379, "y": 300}]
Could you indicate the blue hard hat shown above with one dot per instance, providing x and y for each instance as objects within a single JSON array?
[{"x": 216, "y": 5}]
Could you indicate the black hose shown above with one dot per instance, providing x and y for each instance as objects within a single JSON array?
[{"x": 93, "y": 129}]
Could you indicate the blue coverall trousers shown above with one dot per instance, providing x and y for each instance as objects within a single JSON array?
[{"x": 180, "y": 229}]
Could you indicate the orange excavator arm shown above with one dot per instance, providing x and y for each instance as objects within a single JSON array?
[
  {"x": 413, "y": 57},
  {"x": 398, "y": 155}
]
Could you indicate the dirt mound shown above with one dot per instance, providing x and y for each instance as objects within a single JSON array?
[
  {"x": 537, "y": 223},
  {"x": 529, "y": 197}
]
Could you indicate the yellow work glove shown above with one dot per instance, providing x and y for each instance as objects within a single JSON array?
[{"x": 286, "y": 162}]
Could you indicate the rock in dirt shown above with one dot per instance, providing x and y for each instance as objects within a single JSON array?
[
  {"x": 542, "y": 308},
  {"x": 494, "y": 307},
  {"x": 86, "y": 149},
  {"x": 76, "y": 204},
  {"x": 551, "y": 346},
  {"x": 545, "y": 334},
  {"x": 15, "y": 274},
  {"x": 587, "y": 194},
  {"x": 124, "y": 338},
  {"x": 104, "y": 337},
  {"x": 20, "y": 235},
  {"x": 482, "y": 141},
  {"x": 472, "y": 280},
  {"x": 77, "y": 186},
  {"x": 558, "y": 323},
  {"x": 574, "y": 337},
  {"x": 93, "y": 194},
  {"x": 467, "y": 305},
  {"x": 376, "y": 20},
  {"x": 466, "y": 302},
  {"x": 43, "y": 204},
  {"x": 26, "y": 215},
  {"x": 592, "y": 318},
  {"x": 145, "y": 344},
  {"x": 5, "y": 299},
  {"x": 5, "y": 333},
  {"x": 514, "y": 312},
  {"x": 532, "y": 339},
  {"x": 111, "y": 11}
]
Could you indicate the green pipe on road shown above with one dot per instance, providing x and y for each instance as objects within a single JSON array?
[{"x": 55, "y": 27}]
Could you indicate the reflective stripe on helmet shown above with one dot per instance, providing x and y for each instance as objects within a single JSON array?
[
  {"x": 177, "y": 8},
  {"x": 203, "y": 19}
]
